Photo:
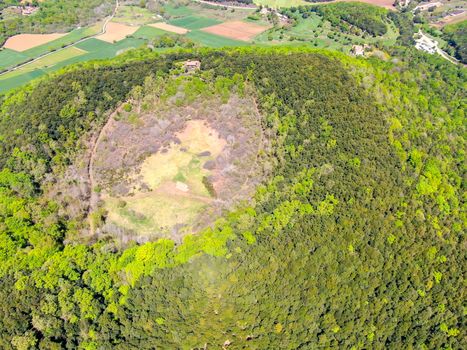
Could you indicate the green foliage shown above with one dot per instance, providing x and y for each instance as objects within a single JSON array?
[
  {"x": 456, "y": 35},
  {"x": 356, "y": 233},
  {"x": 368, "y": 18},
  {"x": 56, "y": 15}
]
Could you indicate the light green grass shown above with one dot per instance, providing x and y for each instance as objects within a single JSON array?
[
  {"x": 134, "y": 15},
  {"x": 97, "y": 49},
  {"x": 45, "y": 62},
  {"x": 211, "y": 40},
  {"x": 194, "y": 22},
  {"x": 177, "y": 11},
  {"x": 93, "y": 44},
  {"x": 148, "y": 33},
  {"x": 10, "y": 58}
]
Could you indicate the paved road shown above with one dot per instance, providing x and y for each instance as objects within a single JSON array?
[{"x": 103, "y": 31}]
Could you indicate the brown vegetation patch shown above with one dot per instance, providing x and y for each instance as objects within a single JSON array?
[
  {"x": 117, "y": 32},
  {"x": 23, "y": 42},
  {"x": 172, "y": 170},
  {"x": 237, "y": 30}
]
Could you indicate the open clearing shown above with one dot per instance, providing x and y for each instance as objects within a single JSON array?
[
  {"x": 169, "y": 28},
  {"x": 116, "y": 32},
  {"x": 23, "y": 42},
  {"x": 171, "y": 169},
  {"x": 134, "y": 15},
  {"x": 236, "y": 30},
  {"x": 174, "y": 177}
]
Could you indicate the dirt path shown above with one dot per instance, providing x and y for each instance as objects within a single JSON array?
[{"x": 103, "y": 31}]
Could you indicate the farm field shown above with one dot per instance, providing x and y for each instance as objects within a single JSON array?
[
  {"x": 236, "y": 30},
  {"x": 23, "y": 42},
  {"x": 9, "y": 58},
  {"x": 148, "y": 33},
  {"x": 46, "y": 62},
  {"x": 194, "y": 22},
  {"x": 116, "y": 32},
  {"x": 91, "y": 49},
  {"x": 169, "y": 28},
  {"x": 212, "y": 40}
]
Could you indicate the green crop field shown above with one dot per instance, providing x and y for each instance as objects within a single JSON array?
[
  {"x": 212, "y": 40},
  {"x": 14, "y": 82},
  {"x": 194, "y": 22},
  {"x": 92, "y": 44},
  {"x": 71, "y": 37},
  {"x": 45, "y": 62},
  {"x": 177, "y": 11},
  {"x": 147, "y": 33},
  {"x": 9, "y": 58},
  {"x": 90, "y": 49}
]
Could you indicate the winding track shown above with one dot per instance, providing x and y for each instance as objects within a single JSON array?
[{"x": 103, "y": 31}]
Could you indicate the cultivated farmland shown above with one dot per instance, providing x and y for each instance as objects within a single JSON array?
[
  {"x": 212, "y": 40},
  {"x": 116, "y": 32},
  {"x": 194, "y": 22},
  {"x": 23, "y": 42},
  {"x": 236, "y": 30},
  {"x": 169, "y": 28}
]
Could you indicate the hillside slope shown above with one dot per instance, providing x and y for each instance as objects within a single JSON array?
[{"x": 354, "y": 240}]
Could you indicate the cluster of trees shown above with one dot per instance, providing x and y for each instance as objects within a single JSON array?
[
  {"x": 368, "y": 18},
  {"x": 456, "y": 36},
  {"x": 355, "y": 240},
  {"x": 55, "y": 16}
]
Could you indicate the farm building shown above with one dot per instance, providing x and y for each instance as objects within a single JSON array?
[
  {"x": 359, "y": 50},
  {"x": 191, "y": 66}
]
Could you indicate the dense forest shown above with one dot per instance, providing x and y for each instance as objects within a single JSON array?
[
  {"x": 54, "y": 16},
  {"x": 456, "y": 36},
  {"x": 347, "y": 16},
  {"x": 355, "y": 241}
]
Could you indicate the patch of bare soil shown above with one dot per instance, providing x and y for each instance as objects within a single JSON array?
[
  {"x": 163, "y": 171},
  {"x": 234, "y": 172}
]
